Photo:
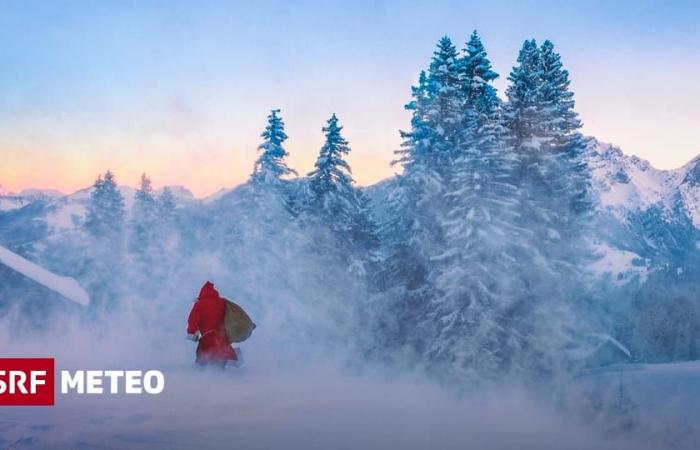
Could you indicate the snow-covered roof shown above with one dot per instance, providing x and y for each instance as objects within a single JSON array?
[{"x": 66, "y": 286}]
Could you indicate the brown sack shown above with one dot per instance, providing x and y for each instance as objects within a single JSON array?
[{"x": 238, "y": 325}]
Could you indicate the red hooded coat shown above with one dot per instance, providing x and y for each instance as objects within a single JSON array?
[{"x": 207, "y": 317}]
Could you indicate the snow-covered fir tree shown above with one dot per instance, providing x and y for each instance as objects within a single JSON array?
[
  {"x": 477, "y": 76},
  {"x": 436, "y": 112},
  {"x": 557, "y": 116},
  {"x": 543, "y": 128},
  {"x": 562, "y": 125},
  {"x": 104, "y": 223},
  {"x": 105, "y": 212},
  {"x": 412, "y": 229},
  {"x": 269, "y": 188},
  {"x": 264, "y": 200},
  {"x": 168, "y": 238},
  {"x": 433, "y": 142},
  {"x": 335, "y": 202},
  {"x": 479, "y": 285},
  {"x": 252, "y": 226},
  {"x": 523, "y": 110},
  {"x": 167, "y": 208},
  {"x": 331, "y": 174},
  {"x": 144, "y": 222},
  {"x": 270, "y": 167}
]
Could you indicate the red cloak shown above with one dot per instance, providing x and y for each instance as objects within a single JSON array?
[{"x": 207, "y": 317}]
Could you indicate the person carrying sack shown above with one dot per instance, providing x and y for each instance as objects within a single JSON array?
[{"x": 214, "y": 323}]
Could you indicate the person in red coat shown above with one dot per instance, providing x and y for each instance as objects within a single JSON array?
[{"x": 206, "y": 325}]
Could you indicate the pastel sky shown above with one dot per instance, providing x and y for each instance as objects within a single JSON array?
[{"x": 181, "y": 90}]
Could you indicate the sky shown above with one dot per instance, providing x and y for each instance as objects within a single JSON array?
[{"x": 181, "y": 90}]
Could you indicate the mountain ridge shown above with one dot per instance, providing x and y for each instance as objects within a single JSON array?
[{"x": 648, "y": 214}]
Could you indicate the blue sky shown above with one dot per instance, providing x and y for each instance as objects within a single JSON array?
[{"x": 181, "y": 89}]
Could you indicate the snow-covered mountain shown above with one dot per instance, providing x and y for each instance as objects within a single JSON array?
[
  {"x": 35, "y": 218},
  {"x": 10, "y": 200},
  {"x": 183, "y": 196},
  {"x": 627, "y": 184},
  {"x": 65, "y": 211},
  {"x": 649, "y": 219}
]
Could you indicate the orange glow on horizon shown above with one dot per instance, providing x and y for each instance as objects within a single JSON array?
[{"x": 202, "y": 172}]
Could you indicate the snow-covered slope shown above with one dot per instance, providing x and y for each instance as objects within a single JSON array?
[
  {"x": 622, "y": 265},
  {"x": 216, "y": 195}
]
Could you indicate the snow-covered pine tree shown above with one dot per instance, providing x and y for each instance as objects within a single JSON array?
[
  {"x": 444, "y": 105},
  {"x": 105, "y": 212},
  {"x": 524, "y": 116},
  {"x": 436, "y": 109},
  {"x": 558, "y": 118},
  {"x": 561, "y": 123},
  {"x": 478, "y": 311},
  {"x": 270, "y": 167},
  {"x": 168, "y": 236},
  {"x": 104, "y": 224},
  {"x": 339, "y": 240},
  {"x": 554, "y": 169},
  {"x": 252, "y": 227},
  {"x": 412, "y": 230},
  {"x": 167, "y": 208},
  {"x": 477, "y": 76},
  {"x": 264, "y": 200},
  {"x": 153, "y": 240},
  {"x": 144, "y": 222},
  {"x": 269, "y": 188},
  {"x": 94, "y": 216},
  {"x": 429, "y": 148},
  {"x": 331, "y": 174},
  {"x": 334, "y": 199},
  {"x": 522, "y": 113},
  {"x": 399, "y": 264},
  {"x": 543, "y": 129}
]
